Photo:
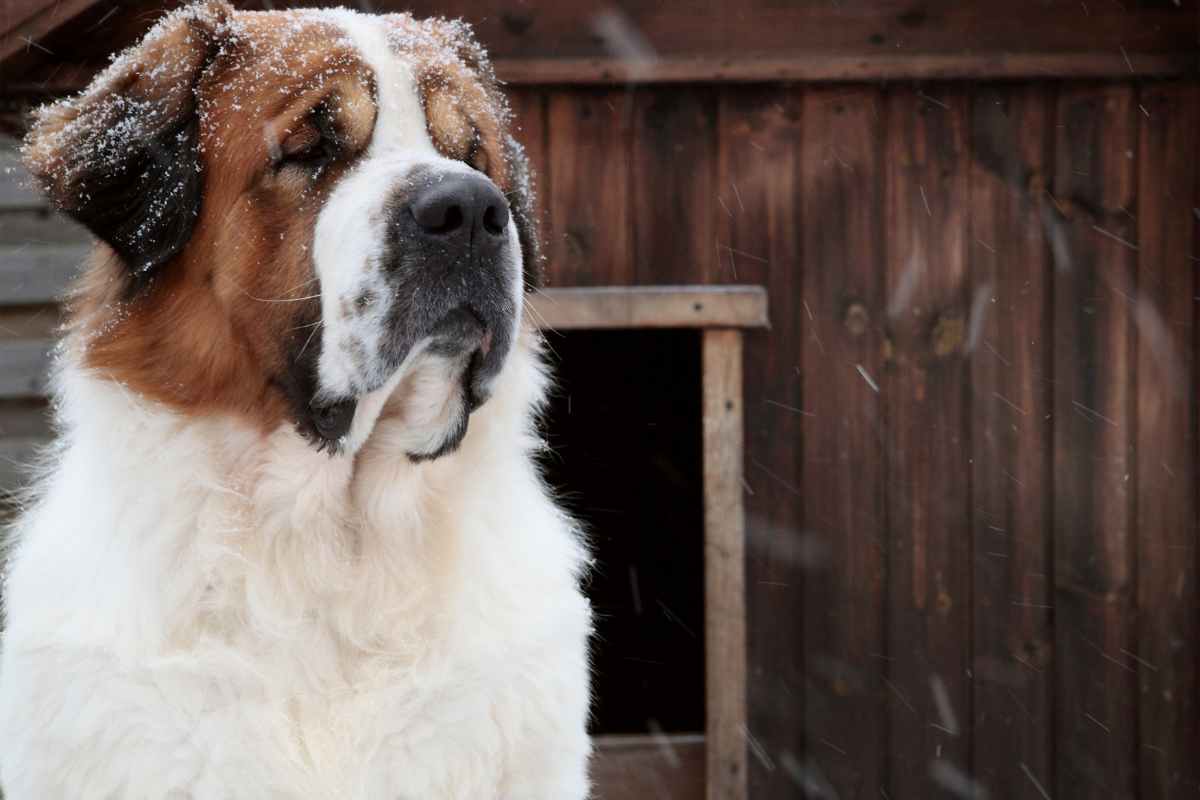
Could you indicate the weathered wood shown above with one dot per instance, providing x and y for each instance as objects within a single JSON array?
[
  {"x": 923, "y": 390},
  {"x": 23, "y": 429},
  {"x": 1096, "y": 710},
  {"x": 846, "y": 68},
  {"x": 724, "y": 566},
  {"x": 37, "y": 274},
  {"x": 661, "y": 767},
  {"x": 650, "y": 307},
  {"x": 16, "y": 190},
  {"x": 1168, "y": 642},
  {"x": 674, "y": 200},
  {"x": 560, "y": 42},
  {"x": 1008, "y": 339},
  {"x": 840, "y": 327},
  {"x": 588, "y": 189},
  {"x": 758, "y": 233},
  {"x": 24, "y": 368}
]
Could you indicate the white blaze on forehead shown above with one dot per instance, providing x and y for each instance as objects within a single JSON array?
[
  {"x": 350, "y": 235},
  {"x": 400, "y": 120}
]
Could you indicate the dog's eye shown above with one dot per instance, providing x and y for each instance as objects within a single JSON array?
[{"x": 312, "y": 145}]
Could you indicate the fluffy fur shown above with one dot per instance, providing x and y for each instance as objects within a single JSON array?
[{"x": 202, "y": 605}]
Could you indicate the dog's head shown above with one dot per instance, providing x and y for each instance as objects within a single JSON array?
[{"x": 292, "y": 204}]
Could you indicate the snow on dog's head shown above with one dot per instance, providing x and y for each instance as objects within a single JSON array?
[{"x": 292, "y": 206}]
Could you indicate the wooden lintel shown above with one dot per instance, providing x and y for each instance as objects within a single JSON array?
[{"x": 650, "y": 307}]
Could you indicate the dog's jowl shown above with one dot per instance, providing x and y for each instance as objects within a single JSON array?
[{"x": 292, "y": 541}]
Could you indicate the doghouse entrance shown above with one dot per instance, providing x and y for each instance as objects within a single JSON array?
[{"x": 625, "y": 428}]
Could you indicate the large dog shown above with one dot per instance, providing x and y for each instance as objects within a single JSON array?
[{"x": 293, "y": 542}]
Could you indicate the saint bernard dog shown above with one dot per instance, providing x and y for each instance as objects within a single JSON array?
[{"x": 294, "y": 541}]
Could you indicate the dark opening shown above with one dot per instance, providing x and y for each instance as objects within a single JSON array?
[{"x": 625, "y": 429}]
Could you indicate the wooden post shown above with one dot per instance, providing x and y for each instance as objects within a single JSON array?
[{"x": 724, "y": 566}]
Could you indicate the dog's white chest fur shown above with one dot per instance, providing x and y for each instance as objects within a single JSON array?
[{"x": 197, "y": 612}]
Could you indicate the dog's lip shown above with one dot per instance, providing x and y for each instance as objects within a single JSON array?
[{"x": 485, "y": 344}]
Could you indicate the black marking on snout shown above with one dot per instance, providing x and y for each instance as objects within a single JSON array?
[{"x": 435, "y": 263}]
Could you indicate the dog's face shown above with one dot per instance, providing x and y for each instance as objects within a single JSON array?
[{"x": 297, "y": 205}]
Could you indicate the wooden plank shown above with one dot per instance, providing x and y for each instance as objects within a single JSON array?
[
  {"x": 38, "y": 274},
  {"x": 1009, "y": 344},
  {"x": 663, "y": 767},
  {"x": 543, "y": 42},
  {"x": 650, "y": 307},
  {"x": 758, "y": 172},
  {"x": 24, "y": 371},
  {"x": 28, "y": 21},
  {"x": 842, "y": 474},
  {"x": 846, "y": 68},
  {"x": 724, "y": 566},
  {"x": 16, "y": 189},
  {"x": 1096, "y": 710},
  {"x": 1168, "y": 650},
  {"x": 37, "y": 227},
  {"x": 923, "y": 390},
  {"x": 588, "y": 189},
  {"x": 17, "y": 456},
  {"x": 673, "y": 199}
]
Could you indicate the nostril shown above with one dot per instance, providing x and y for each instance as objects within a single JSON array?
[
  {"x": 442, "y": 215},
  {"x": 495, "y": 219}
]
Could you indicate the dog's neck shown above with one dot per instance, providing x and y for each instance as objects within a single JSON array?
[{"x": 260, "y": 529}]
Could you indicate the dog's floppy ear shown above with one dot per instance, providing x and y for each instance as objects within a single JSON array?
[{"x": 123, "y": 156}]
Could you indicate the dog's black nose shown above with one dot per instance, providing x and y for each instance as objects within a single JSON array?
[{"x": 464, "y": 206}]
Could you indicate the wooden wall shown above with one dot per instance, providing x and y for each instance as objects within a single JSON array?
[{"x": 971, "y": 431}]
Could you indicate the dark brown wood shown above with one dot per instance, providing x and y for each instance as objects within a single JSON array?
[
  {"x": 1168, "y": 637},
  {"x": 650, "y": 307},
  {"x": 1008, "y": 342},
  {"x": 674, "y": 200},
  {"x": 725, "y": 734},
  {"x": 927, "y": 457},
  {"x": 840, "y": 324},
  {"x": 567, "y": 42},
  {"x": 841, "y": 68},
  {"x": 665, "y": 767},
  {"x": 588, "y": 190},
  {"x": 1096, "y": 709},
  {"x": 758, "y": 232}
]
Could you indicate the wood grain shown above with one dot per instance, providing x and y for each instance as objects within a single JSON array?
[
  {"x": 840, "y": 327},
  {"x": 673, "y": 193},
  {"x": 758, "y": 233},
  {"x": 665, "y": 767},
  {"x": 724, "y": 566},
  {"x": 752, "y": 40},
  {"x": 650, "y": 307},
  {"x": 1168, "y": 636},
  {"x": 923, "y": 390},
  {"x": 588, "y": 188},
  {"x": 1008, "y": 340},
  {"x": 1094, "y": 570}
]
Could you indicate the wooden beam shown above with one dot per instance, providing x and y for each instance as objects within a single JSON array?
[
  {"x": 724, "y": 566},
  {"x": 664, "y": 767},
  {"x": 847, "y": 67},
  {"x": 650, "y": 307},
  {"x": 28, "y": 21}
]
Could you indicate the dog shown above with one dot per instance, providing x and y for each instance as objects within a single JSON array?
[{"x": 293, "y": 541}]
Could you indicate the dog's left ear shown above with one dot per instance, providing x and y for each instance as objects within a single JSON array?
[
  {"x": 520, "y": 196},
  {"x": 123, "y": 157}
]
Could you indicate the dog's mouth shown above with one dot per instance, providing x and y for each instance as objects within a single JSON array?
[{"x": 461, "y": 335}]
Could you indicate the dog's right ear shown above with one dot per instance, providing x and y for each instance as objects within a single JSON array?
[{"x": 123, "y": 157}]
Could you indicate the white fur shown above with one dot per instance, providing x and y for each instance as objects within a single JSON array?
[{"x": 198, "y": 611}]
